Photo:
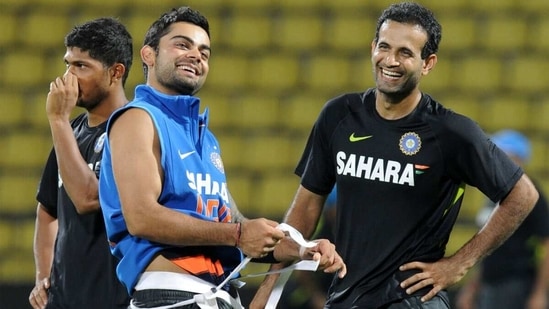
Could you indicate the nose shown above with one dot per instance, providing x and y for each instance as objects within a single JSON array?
[
  {"x": 70, "y": 69},
  {"x": 194, "y": 53},
  {"x": 392, "y": 59}
]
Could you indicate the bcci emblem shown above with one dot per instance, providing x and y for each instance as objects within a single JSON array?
[
  {"x": 217, "y": 162},
  {"x": 99, "y": 143},
  {"x": 410, "y": 143}
]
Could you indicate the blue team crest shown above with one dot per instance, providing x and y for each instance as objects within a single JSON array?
[
  {"x": 99, "y": 143},
  {"x": 410, "y": 143},
  {"x": 217, "y": 162}
]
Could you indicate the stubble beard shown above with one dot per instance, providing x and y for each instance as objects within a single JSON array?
[
  {"x": 180, "y": 85},
  {"x": 401, "y": 92},
  {"x": 92, "y": 102}
]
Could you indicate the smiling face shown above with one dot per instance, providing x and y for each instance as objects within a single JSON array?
[
  {"x": 180, "y": 64},
  {"x": 93, "y": 77},
  {"x": 396, "y": 59}
]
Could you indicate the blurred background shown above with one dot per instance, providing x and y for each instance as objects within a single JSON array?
[{"x": 273, "y": 66}]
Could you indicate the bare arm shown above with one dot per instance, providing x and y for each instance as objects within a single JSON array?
[
  {"x": 79, "y": 180},
  {"x": 44, "y": 239},
  {"x": 303, "y": 215},
  {"x": 138, "y": 175},
  {"x": 505, "y": 219}
]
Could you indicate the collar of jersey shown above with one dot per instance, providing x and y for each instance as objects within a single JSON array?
[{"x": 176, "y": 105}]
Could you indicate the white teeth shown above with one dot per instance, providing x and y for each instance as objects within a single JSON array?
[
  {"x": 389, "y": 73},
  {"x": 187, "y": 68}
]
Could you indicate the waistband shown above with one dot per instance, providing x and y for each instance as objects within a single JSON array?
[
  {"x": 165, "y": 280},
  {"x": 172, "y": 299},
  {"x": 162, "y": 280}
]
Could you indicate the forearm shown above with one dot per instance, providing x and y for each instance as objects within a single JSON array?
[
  {"x": 505, "y": 219},
  {"x": 44, "y": 240},
  {"x": 305, "y": 211},
  {"x": 171, "y": 227},
  {"x": 265, "y": 288},
  {"x": 79, "y": 180}
]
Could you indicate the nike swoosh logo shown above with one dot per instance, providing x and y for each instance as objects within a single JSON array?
[
  {"x": 186, "y": 154},
  {"x": 354, "y": 138}
]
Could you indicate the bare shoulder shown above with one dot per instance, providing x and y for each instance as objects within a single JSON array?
[{"x": 132, "y": 119}]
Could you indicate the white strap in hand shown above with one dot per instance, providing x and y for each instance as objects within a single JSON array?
[{"x": 309, "y": 265}]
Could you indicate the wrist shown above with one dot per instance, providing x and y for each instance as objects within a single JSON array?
[{"x": 238, "y": 233}]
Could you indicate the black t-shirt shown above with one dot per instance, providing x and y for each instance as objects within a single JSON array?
[
  {"x": 400, "y": 185},
  {"x": 516, "y": 257},
  {"x": 83, "y": 272}
]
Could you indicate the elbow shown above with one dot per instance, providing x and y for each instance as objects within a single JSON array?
[
  {"x": 137, "y": 226},
  {"x": 86, "y": 206},
  {"x": 134, "y": 229},
  {"x": 534, "y": 197},
  {"x": 529, "y": 192}
]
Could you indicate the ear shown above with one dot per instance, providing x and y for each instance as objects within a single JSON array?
[
  {"x": 374, "y": 43},
  {"x": 429, "y": 63},
  {"x": 117, "y": 71},
  {"x": 148, "y": 55}
]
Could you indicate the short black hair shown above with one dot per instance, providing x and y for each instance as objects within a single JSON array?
[
  {"x": 106, "y": 39},
  {"x": 161, "y": 26},
  {"x": 415, "y": 14}
]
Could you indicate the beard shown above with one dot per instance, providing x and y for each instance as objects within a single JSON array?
[
  {"x": 396, "y": 95},
  {"x": 181, "y": 85},
  {"x": 92, "y": 102}
]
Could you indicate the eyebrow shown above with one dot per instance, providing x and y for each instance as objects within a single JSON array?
[{"x": 202, "y": 46}]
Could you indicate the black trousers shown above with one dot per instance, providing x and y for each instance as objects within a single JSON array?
[
  {"x": 440, "y": 301},
  {"x": 157, "y": 297}
]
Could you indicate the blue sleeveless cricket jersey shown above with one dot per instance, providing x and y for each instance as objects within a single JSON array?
[{"x": 194, "y": 183}]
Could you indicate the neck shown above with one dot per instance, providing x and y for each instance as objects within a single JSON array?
[
  {"x": 103, "y": 111},
  {"x": 396, "y": 109}
]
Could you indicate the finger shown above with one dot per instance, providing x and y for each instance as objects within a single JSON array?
[
  {"x": 419, "y": 285},
  {"x": 71, "y": 80},
  {"x": 413, "y": 280},
  {"x": 430, "y": 295},
  {"x": 272, "y": 223},
  {"x": 337, "y": 266},
  {"x": 32, "y": 302},
  {"x": 36, "y": 300},
  {"x": 412, "y": 265},
  {"x": 278, "y": 234},
  {"x": 343, "y": 271}
]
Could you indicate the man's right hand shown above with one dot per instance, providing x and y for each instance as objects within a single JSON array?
[
  {"x": 38, "y": 297},
  {"x": 259, "y": 237},
  {"x": 62, "y": 97}
]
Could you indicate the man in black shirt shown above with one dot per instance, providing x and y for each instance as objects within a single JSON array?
[
  {"x": 74, "y": 266},
  {"x": 401, "y": 162}
]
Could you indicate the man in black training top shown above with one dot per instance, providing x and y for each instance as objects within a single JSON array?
[
  {"x": 74, "y": 266},
  {"x": 401, "y": 162}
]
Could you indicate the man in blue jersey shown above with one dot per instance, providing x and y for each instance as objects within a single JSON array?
[
  {"x": 74, "y": 267},
  {"x": 169, "y": 215},
  {"x": 401, "y": 162}
]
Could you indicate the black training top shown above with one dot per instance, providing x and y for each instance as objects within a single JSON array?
[
  {"x": 400, "y": 185},
  {"x": 83, "y": 271}
]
